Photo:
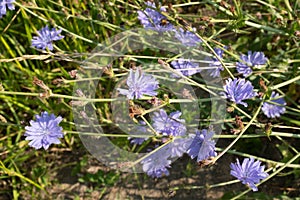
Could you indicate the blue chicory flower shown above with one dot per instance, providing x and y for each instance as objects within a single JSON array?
[
  {"x": 3, "y": 4},
  {"x": 272, "y": 110},
  {"x": 214, "y": 62},
  {"x": 44, "y": 131},
  {"x": 185, "y": 67},
  {"x": 139, "y": 84},
  {"x": 46, "y": 37},
  {"x": 152, "y": 19},
  {"x": 170, "y": 125},
  {"x": 187, "y": 38},
  {"x": 156, "y": 164},
  {"x": 203, "y": 146},
  {"x": 249, "y": 173},
  {"x": 178, "y": 146},
  {"x": 237, "y": 90},
  {"x": 250, "y": 60}
]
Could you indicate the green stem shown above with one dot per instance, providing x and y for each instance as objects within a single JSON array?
[
  {"x": 288, "y": 5},
  {"x": 58, "y": 96},
  {"x": 290, "y": 135},
  {"x": 272, "y": 162},
  {"x": 214, "y": 53},
  {"x": 13, "y": 173},
  {"x": 267, "y": 28},
  {"x": 274, "y": 87},
  {"x": 294, "y": 61},
  {"x": 204, "y": 186},
  {"x": 240, "y": 110},
  {"x": 109, "y": 135},
  {"x": 102, "y": 100},
  {"x": 149, "y": 125},
  {"x": 240, "y": 135}
]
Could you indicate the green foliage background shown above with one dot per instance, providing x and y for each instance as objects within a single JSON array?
[{"x": 271, "y": 26}]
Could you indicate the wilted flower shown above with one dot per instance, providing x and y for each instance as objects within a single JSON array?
[
  {"x": 203, "y": 146},
  {"x": 237, "y": 90},
  {"x": 250, "y": 60},
  {"x": 46, "y": 37},
  {"x": 272, "y": 110},
  {"x": 249, "y": 173},
  {"x": 44, "y": 131},
  {"x": 185, "y": 67},
  {"x": 214, "y": 62},
  {"x": 3, "y": 4},
  {"x": 187, "y": 38},
  {"x": 170, "y": 125},
  {"x": 152, "y": 19},
  {"x": 139, "y": 84}
]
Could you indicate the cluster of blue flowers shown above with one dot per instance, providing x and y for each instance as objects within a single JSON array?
[
  {"x": 199, "y": 144},
  {"x": 150, "y": 18},
  {"x": 237, "y": 90},
  {"x": 176, "y": 138}
]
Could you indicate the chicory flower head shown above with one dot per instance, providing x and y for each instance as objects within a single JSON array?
[
  {"x": 156, "y": 164},
  {"x": 139, "y": 84},
  {"x": 3, "y": 4},
  {"x": 179, "y": 146},
  {"x": 46, "y": 37},
  {"x": 187, "y": 38},
  {"x": 170, "y": 125},
  {"x": 185, "y": 67},
  {"x": 272, "y": 110},
  {"x": 250, "y": 60},
  {"x": 152, "y": 19},
  {"x": 203, "y": 146},
  {"x": 249, "y": 173},
  {"x": 44, "y": 131},
  {"x": 237, "y": 90}
]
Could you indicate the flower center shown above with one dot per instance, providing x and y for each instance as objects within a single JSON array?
[{"x": 46, "y": 131}]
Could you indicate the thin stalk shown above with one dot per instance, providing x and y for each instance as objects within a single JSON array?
[
  {"x": 240, "y": 135},
  {"x": 272, "y": 162},
  {"x": 274, "y": 87},
  {"x": 204, "y": 186}
]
